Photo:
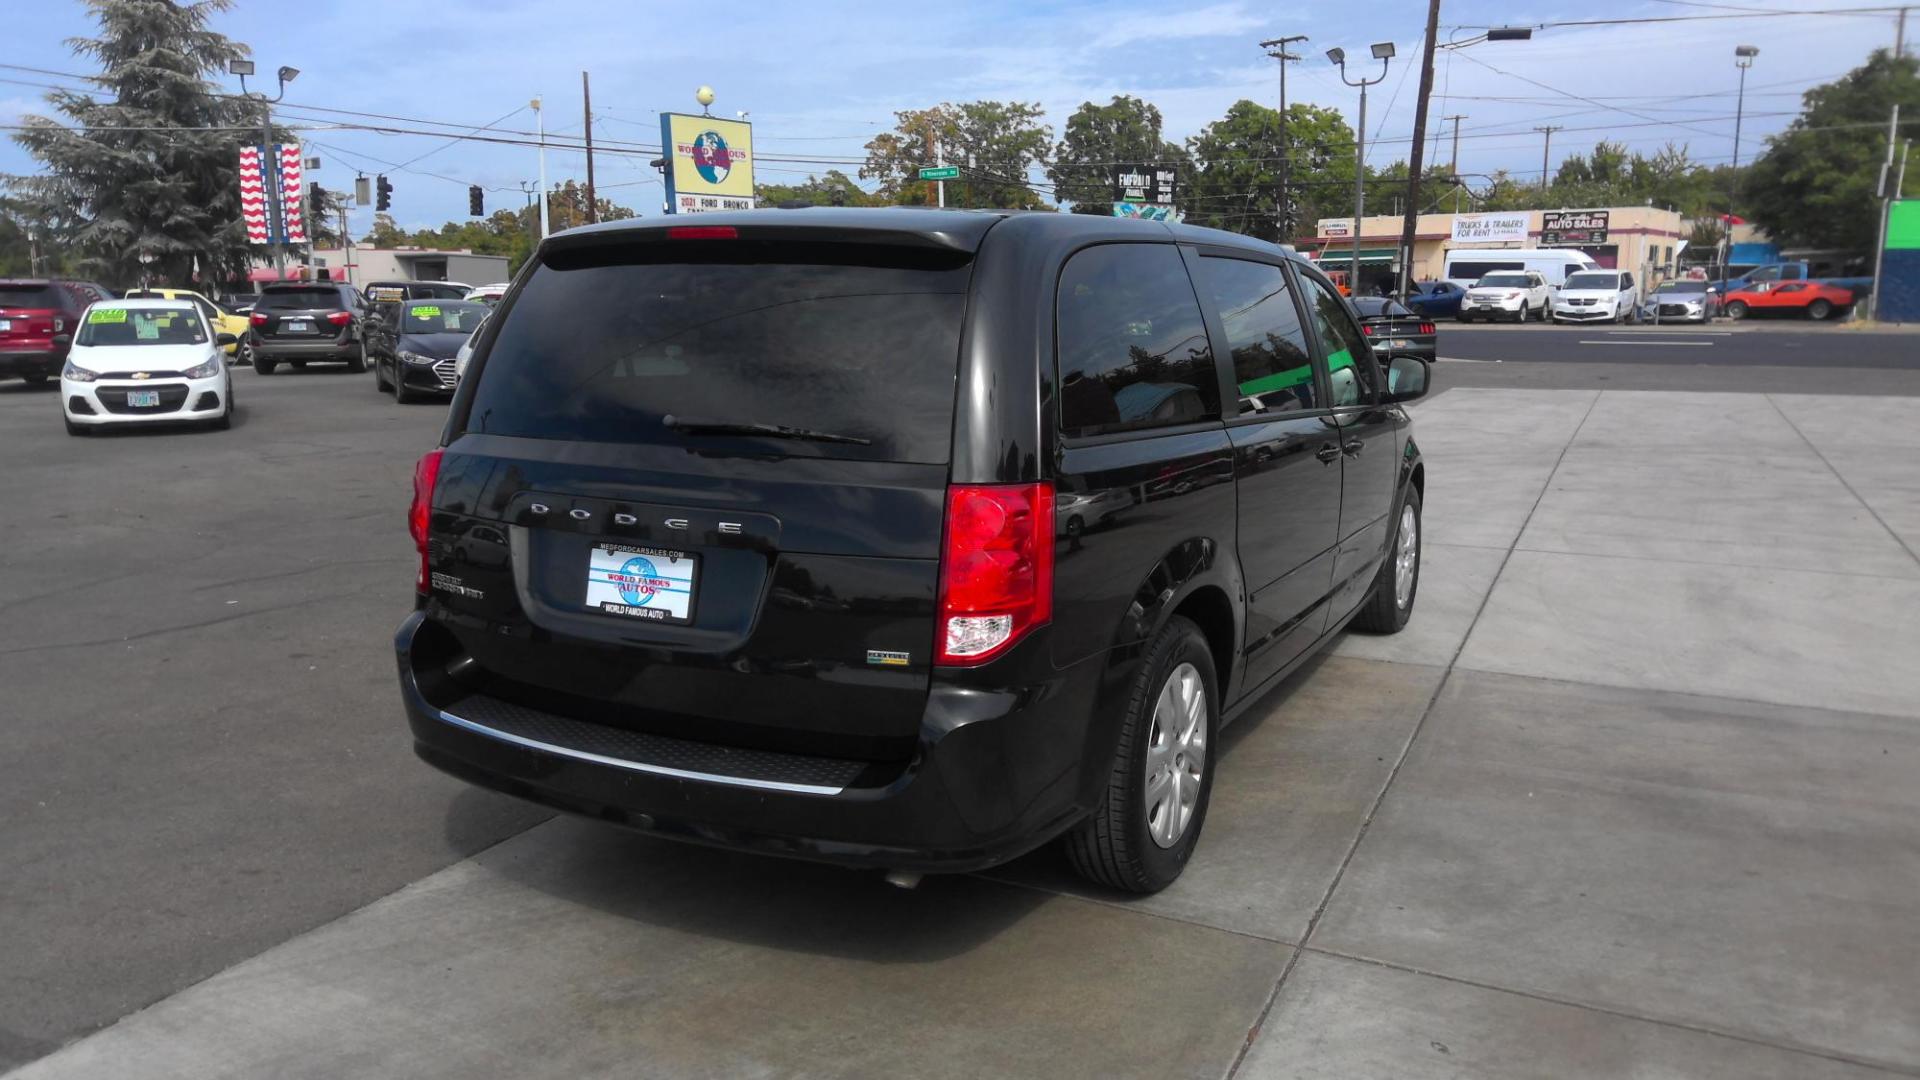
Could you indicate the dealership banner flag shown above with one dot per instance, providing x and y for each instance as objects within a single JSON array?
[{"x": 257, "y": 171}]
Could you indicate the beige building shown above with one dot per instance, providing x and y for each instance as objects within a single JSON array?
[{"x": 1642, "y": 239}]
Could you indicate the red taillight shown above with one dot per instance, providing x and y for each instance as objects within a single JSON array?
[
  {"x": 340, "y": 318},
  {"x": 1426, "y": 328},
  {"x": 258, "y": 318},
  {"x": 1368, "y": 329},
  {"x": 426, "y": 473},
  {"x": 996, "y": 569},
  {"x": 703, "y": 232}
]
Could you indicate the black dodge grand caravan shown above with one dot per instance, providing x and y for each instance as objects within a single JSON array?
[{"x": 899, "y": 538}]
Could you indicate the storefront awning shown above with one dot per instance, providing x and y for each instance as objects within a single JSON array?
[{"x": 1334, "y": 255}]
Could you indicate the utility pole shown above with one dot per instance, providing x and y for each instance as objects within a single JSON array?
[
  {"x": 540, "y": 115},
  {"x": 1887, "y": 195},
  {"x": 1453, "y": 165},
  {"x": 1546, "y": 153},
  {"x": 1409, "y": 226},
  {"x": 532, "y": 219},
  {"x": 586, "y": 103},
  {"x": 1900, "y": 36},
  {"x": 1282, "y": 204}
]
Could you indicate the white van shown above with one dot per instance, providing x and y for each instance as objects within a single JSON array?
[
  {"x": 1598, "y": 296},
  {"x": 1554, "y": 264}
]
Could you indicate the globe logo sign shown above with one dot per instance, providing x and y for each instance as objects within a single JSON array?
[
  {"x": 711, "y": 158},
  {"x": 636, "y": 581}
]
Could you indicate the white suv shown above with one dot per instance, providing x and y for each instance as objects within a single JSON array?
[
  {"x": 1508, "y": 294},
  {"x": 1598, "y": 296}
]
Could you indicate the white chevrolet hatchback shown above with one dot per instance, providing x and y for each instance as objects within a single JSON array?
[{"x": 145, "y": 362}]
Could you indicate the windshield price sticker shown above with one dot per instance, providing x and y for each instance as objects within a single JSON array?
[
  {"x": 107, "y": 315},
  {"x": 427, "y": 311}
]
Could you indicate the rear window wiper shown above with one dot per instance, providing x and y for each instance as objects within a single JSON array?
[{"x": 696, "y": 426}]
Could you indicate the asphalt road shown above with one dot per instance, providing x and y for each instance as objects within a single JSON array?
[
  {"x": 1753, "y": 357},
  {"x": 205, "y": 753}
]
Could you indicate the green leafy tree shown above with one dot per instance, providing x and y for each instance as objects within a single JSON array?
[
  {"x": 834, "y": 189},
  {"x": 567, "y": 207},
  {"x": 1097, "y": 137},
  {"x": 995, "y": 144},
  {"x": 1237, "y": 169},
  {"x": 1814, "y": 186},
  {"x": 147, "y": 165}
]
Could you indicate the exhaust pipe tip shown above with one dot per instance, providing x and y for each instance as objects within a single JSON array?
[{"x": 901, "y": 879}]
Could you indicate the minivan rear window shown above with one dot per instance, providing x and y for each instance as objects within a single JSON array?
[
  {"x": 29, "y": 296},
  {"x": 602, "y": 345},
  {"x": 300, "y": 298}
]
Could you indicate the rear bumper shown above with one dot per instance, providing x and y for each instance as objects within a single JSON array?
[
  {"x": 331, "y": 349},
  {"x": 996, "y": 774},
  {"x": 31, "y": 362}
]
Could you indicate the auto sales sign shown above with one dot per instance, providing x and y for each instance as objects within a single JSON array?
[
  {"x": 1559, "y": 227},
  {"x": 709, "y": 163}
]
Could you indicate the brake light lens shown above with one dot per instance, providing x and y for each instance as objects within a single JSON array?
[
  {"x": 996, "y": 569},
  {"x": 1368, "y": 329},
  {"x": 1426, "y": 328},
  {"x": 703, "y": 232},
  {"x": 426, "y": 473},
  {"x": 340, "y": 318},
  {"x": 258, "y": 318}
]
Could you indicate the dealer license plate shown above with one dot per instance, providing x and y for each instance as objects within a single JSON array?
[
  {"x": 143, "y": 398},
  {"x": 642, "y": 582},
  {"x": 297, "y": 326}
]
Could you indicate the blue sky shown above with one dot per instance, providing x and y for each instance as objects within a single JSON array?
[{"x": 819, "y": 80}]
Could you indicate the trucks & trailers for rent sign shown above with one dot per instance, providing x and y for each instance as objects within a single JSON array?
[
  {"x": 1475, "y": 228},
  {"x": 709, "y": 163}
]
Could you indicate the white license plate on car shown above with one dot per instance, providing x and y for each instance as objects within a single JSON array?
[
  {"x": 297, "y": 326},
  {"x": 5, "y": 325},
  {"x": 143, "y": 398},
  {"x": 642, "y": 582}
]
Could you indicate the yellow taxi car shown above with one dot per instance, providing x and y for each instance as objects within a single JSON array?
[{"x": 222, "y": 320}]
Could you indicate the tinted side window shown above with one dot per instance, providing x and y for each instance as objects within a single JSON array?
[
  {"x": 1133, "y": 349},
  {"x": 1349, "y": 358},
  {"x": 1271, "y": 364}
]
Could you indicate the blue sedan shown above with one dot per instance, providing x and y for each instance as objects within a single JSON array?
[{"x": 1436, "y": 299}]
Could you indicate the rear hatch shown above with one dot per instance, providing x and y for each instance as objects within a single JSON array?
[
  {"x": 301, "y": 314},
  {"x": 28, "y": 313},
  {"x": 613, "y": 541}
]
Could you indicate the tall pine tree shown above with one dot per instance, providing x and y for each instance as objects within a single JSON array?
[{"x": 148, "y": 164}]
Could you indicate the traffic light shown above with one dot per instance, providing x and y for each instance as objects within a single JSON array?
[
  {"x": 474, "y": 201},
  {"x": 383, "y": 193},
  {"x": 313, "y": 195}
]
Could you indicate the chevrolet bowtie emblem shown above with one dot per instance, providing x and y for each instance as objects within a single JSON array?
[{"x": 142, "y": 375}]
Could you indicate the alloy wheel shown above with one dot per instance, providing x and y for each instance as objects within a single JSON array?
[
  {"x": 1176, "y": 755},
  {"x": 1406, "y": 557}
]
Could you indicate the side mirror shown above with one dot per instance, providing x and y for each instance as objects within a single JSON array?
[
  {"x": 224, "y": 340},
  {"x": 61, "y": 341},
  {"x": 1407, "y": 378}
]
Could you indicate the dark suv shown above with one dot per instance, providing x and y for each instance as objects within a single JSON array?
[
  {"x": 901, "y": 539},
  {"x": 303, "y": 322}
]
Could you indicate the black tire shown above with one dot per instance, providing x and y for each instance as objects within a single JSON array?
[
  {"x": 1737, "y": 310},
  {"x": 358, "y": 364},
  {"x": 379, "y": 377},
  {"x": 263, "y": 367},
  {"x": 1113, "y": 847},
  {"x": 35, "y": 378},
  {"x": 402, "y": 395},
  {"x": 224, "y": 421},
  {"x": 1464, "y": 317},
  {"x": 1383, "y": 613},
  {"x": 79, "y": 430},
  {"x": 298, "y": 365},
  {"x": 244, "y": 354},
  {"x": 1819, "y": 310}
]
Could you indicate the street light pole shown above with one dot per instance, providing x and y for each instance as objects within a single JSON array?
[
  {"x": 1743, "y": 59},
  {"x": 540, "y": 120},
  {"x": 1277, "y": 48},
  {"x": 269, "y": 160},
  {"x": 1383, "y": 52}
]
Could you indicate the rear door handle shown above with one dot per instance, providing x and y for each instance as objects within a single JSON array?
[
  {"x": 1352, "y": 447},
  {"x": 1328, "y": 453}
]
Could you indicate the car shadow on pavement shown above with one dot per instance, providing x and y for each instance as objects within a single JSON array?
[{"x": 764, "y": 901}]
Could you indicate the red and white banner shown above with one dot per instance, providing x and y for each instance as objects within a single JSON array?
[
  {"x": 257, "y": 210},
  {"x": 253, "y": 195},
  {"x": 291, "y": 194}
]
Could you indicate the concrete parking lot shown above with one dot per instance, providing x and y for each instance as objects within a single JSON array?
[{"x": 1632, "y": 796}]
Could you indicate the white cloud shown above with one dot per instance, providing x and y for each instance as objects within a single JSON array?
[{"x": 1219, "y": 20}]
